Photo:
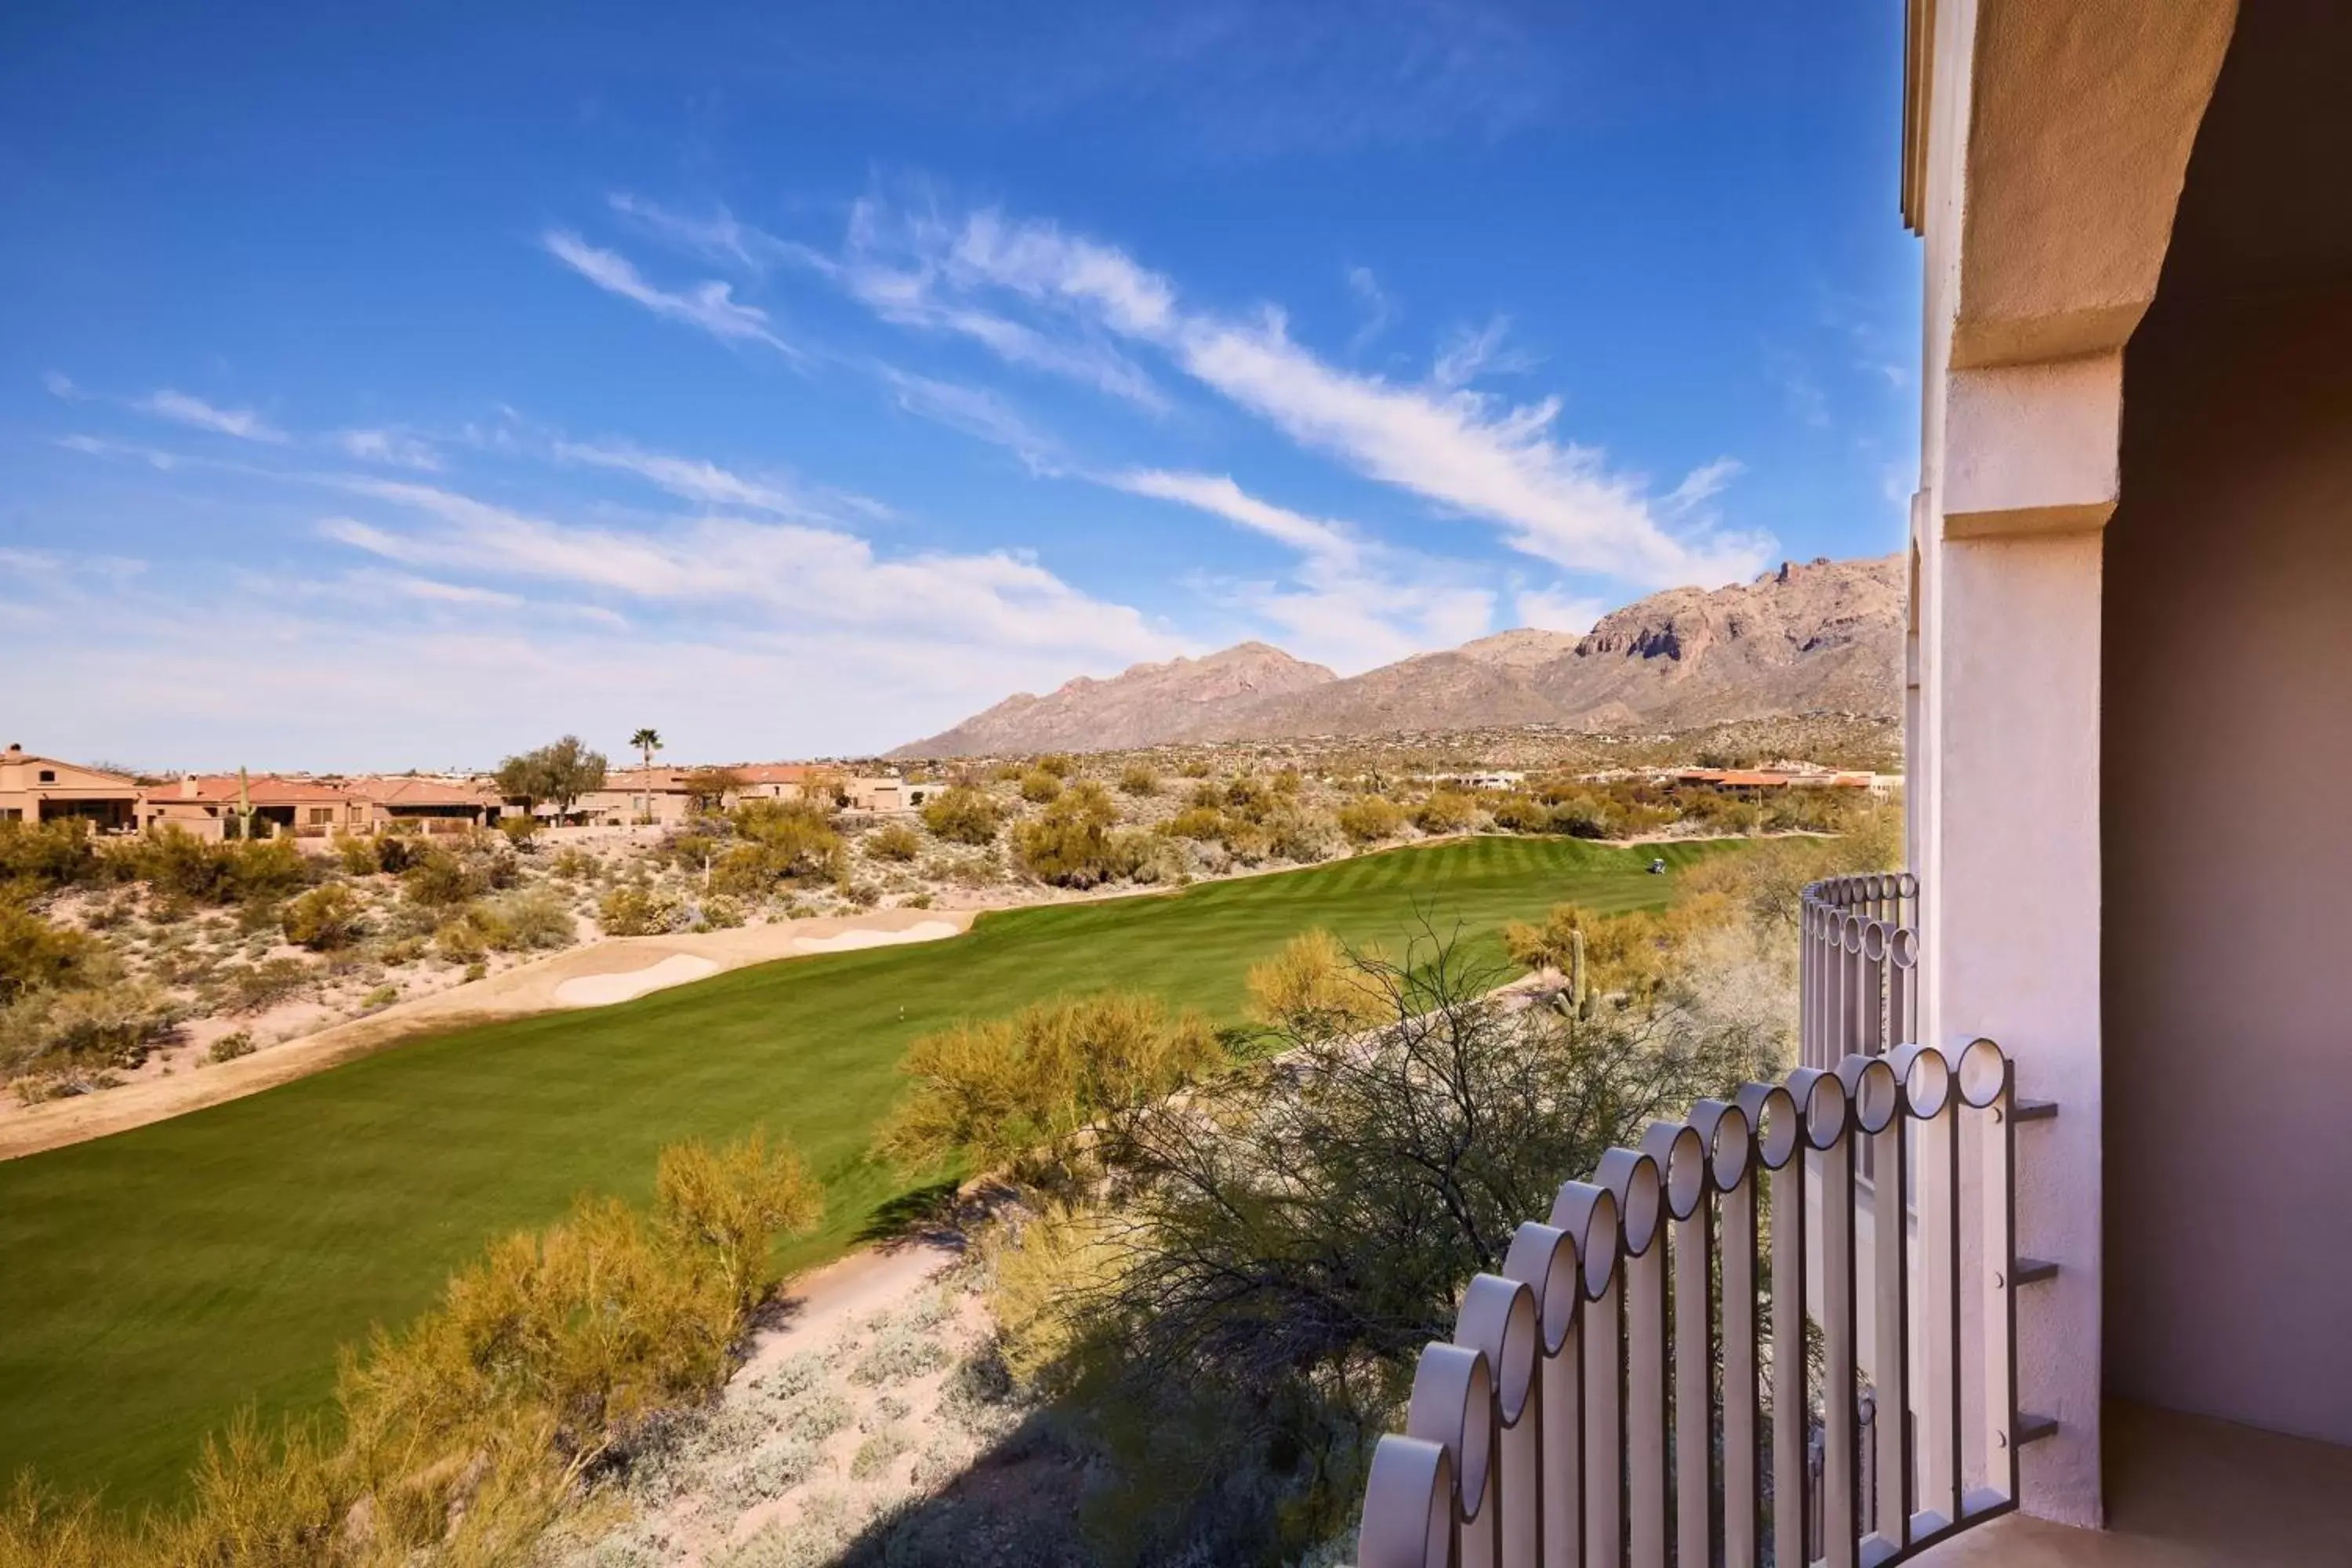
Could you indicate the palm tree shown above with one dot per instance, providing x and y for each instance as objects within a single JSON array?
[{"x": 647, "y": 741}]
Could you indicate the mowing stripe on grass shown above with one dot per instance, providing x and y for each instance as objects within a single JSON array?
[{"x": 153, "y": 1281}]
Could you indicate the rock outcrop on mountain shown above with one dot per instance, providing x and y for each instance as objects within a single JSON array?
[
  {"x": 1822, "y": 636},
  {"x": 1139, "y": 707}
]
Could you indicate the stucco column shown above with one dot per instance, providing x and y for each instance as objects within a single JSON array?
[{"x": 2013, "y": 911}]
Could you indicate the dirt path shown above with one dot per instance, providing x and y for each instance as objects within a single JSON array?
[{"x": 597, "y": 973}]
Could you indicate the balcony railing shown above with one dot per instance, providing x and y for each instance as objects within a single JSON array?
[
  {"x": 1859, "y": 957},
  {"x": 1726, "y": 1349}
]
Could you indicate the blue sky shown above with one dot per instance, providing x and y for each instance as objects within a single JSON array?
[{"x": 403, "y": 385}]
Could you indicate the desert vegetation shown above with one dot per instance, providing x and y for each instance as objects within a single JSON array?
[{"x": 553, "y": 1360}]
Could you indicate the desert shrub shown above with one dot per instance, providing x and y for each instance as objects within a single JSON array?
[
  {"x": 464, "y": 938},
  {"x": 1136, "y": 779},
  {"x": 1631, "y": 955},
  {"x": 1058, "y": 764},
  {"x": 769, "y": 1471},
  {"x": 898, "y": 1355},
  {"x": 1293, "y": 1232},
  {"x": 1766, "y": 881},
  {"x": 1312, "y": 988},
  {"x": 531, "y": 919},
  {"x": 895, "y": 842},
  {"x": 874, "y": 1455},
  {"x": 1021, "y": 1092},
  {"x": 42, "y": 857},
  {"x": 574, "y": 864},
  {"x": 1247, "y": 842},
  {"x": 813, "y": 1416},
  {"x": 720, "y": 913},
  {"x": 1196, "y": 768},
  {"x": 256, "y": 987},
  {"x": 37, "y": 952},
  {"x": 779, "y": 841},
  {"x": 637, "y": 911},
  {"x": 438, "y": 878},
  {"x": 231, "y": 1046},
  {"x": 1305, "y": 837},
  {"x": 398, "y": 850},
  {"x": 377, "y": 1000},
  {"x": 1038, "y": 786},
  {"x": 519, "y": 829},
  {"x": 1370, "y": 819},
  {"x": 1519, "y": 813},
  {"x": 108, "y": 1018},
  {"x": 323, "y": 920},
  {"x": 1206, "y": 797},
  {"x": 1071, "y": 843},
  {"x": 1200, "y": 823},
  {"x": 1287, "y": 781},
  {"x": 962, "y": 815},
  {"x": 356, "y": 855},
  {"x": 475, "y": 970},
  {"x": 726, "y": 1205},
  {"x": 1445, "y": 811},
  {"x": 175, "y": 862}
]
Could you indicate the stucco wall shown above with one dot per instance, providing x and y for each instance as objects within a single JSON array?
[{"x": 2227, "y": 963}]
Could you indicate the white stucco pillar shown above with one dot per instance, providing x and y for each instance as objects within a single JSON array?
[{"x": 2013, "y": 917}]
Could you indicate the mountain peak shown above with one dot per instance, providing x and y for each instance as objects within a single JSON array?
[{"x": 1823, "y": 635}]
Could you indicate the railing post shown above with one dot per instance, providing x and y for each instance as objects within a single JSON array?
[
  {"x": 1634, "y": 1177},
  {"x": 1822, "y": 1097},
  {"x": 1929, "y": 1099},
  {"x": 1588, "y": 1212}
]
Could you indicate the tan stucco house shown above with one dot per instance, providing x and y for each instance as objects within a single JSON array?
[
  {"x": 213, "y": 806},
  {"x": 44, "y": 789}
]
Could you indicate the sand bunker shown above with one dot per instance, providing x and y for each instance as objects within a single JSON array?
[
  {"x": 850, "y": 941},
  {"x": 600, "y": 990}
]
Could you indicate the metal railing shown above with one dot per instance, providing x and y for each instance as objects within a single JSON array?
[
  {"x": 1723, "y": 1348},
  {"x": 1858, "y": 967}
]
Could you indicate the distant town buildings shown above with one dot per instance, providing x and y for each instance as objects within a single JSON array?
[{"x": 216, "y": 806}]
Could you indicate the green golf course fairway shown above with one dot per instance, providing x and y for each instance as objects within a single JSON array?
[{"x": 153, "y": 1280}]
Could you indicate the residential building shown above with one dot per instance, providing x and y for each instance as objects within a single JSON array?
[
  {"x": 220, "y": 806},
  {"x": 2061, "y": 1180},
  {"x": 888, "y": 793},
  {"x": 44, "y": 789},
  {"x": 409, "y": 804}
]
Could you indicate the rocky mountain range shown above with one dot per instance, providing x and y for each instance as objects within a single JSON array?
[{"x": 1805, "y": 637}]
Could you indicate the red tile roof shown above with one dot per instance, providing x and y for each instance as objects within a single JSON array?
[
  {"x": 398, "y": 792},
  {"x": 267, "y": 790}
]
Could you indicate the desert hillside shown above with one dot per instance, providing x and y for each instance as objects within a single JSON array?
[
  {"x": 1139, "y": 707},
  {"x": 1826, "y": 635}
]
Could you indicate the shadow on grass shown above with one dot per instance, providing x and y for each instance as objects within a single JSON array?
[{"x": 935, "y": 1212}]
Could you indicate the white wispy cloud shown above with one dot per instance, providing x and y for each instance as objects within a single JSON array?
[
  {"x": 718, "y": 236},
  {"x": 1380, "y": 311},
  {"x": 100, "y": 446},
  {"x": 242, "y": 422},
  {"x": 905, "y": 269},
  {"x": 1559, "y": 610},
  {"x": 150, "y": 670},
  {"x": 1465, "y": 451},
  {"x": 1702, "y": 484},
  {"x": 1353, "y": 602},
  {"x": 710, "y": 305},
  {"x": 817, "y": 575},
  {"x": 1471, "y": 353},
  {"x": 393, "y": 447},
  {"x": 976, "y": 412},
  {"x": 62, "y": 386},
  {"x": 698, "y": 479}
]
